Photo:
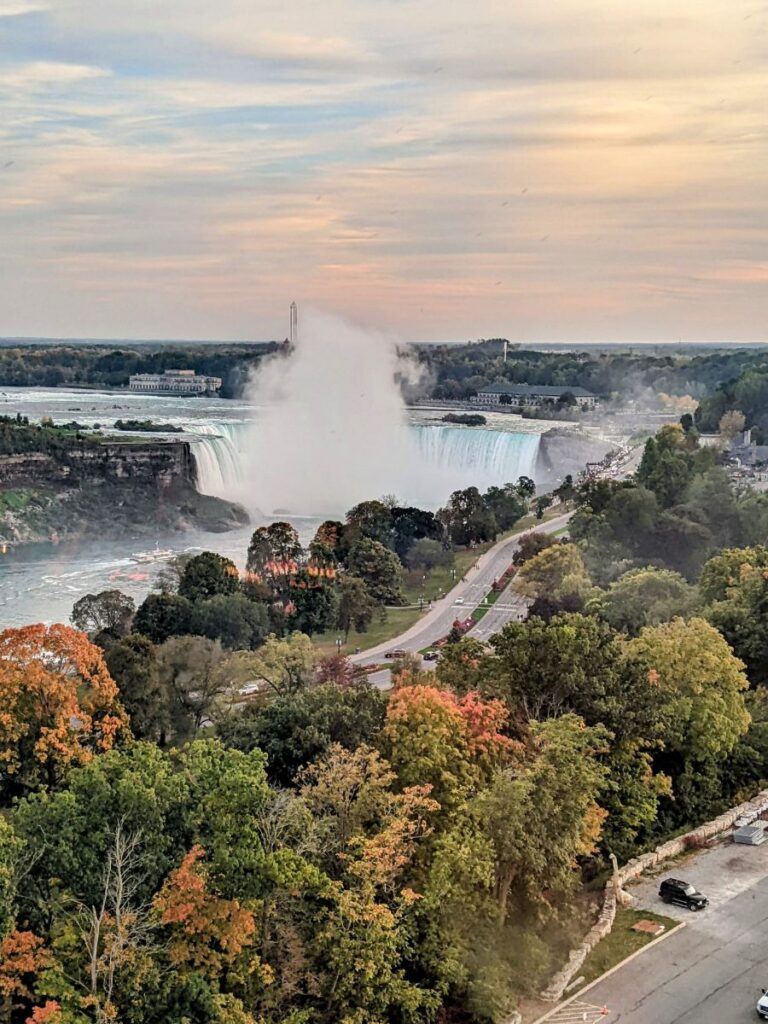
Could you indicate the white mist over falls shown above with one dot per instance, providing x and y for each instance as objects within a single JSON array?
[{"x": 330, "y": 429}]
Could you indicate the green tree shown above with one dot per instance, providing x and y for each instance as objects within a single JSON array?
[
  {"x": 371, "y": 519},
  {"x": 297, "y": 727},
  {"x": 506, "y": 504},
  {"x": 356, "y": 608},
  {"x": 644, "y": 597},
  {"x": 208, "y": 575},
  {"x": 572, "y": 664},
  {"x": 132, "y": 663},
  {"x": 467, "y": 520},
  {"x": 315, "y": 602},
  {"x": 232, "y": 619},
  {"x": 557, "y": 572},
  {"x": 727, "y": 568},
  {"x": 380, "y": 570},
  {"x": 194, "y": 670},
  {"x": 277, "y": 543},
  {"x": 742, "y": 618},
  {"x": 280, "y": 666},
  {"x": 701, "y": 682},
  {"x": 161, "y": 616},
  {"x": 110, "y": 611},
  {"x": 429, "y": 554}
]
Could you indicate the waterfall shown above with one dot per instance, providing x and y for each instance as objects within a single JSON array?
[
  {"x": 431, "y": 462},
  {"x": 469, "y": 456},
  {"x": 218, "y": 458}
]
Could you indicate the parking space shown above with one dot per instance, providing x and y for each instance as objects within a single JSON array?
[
  {"x": 721, "y": 873},
  {"x": 712, "y": 970}
]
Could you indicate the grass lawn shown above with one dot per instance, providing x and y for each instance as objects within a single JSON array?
[
  {"x": 430, "y": 586},
  {"x": 621, "y": 942}
]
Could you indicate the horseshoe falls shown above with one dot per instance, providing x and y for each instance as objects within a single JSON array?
[
  {"x": 431, "y": 461},
  {"x": 470, "y": 456}
]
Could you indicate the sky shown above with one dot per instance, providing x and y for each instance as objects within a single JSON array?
[{"x": 572, "y": 170}]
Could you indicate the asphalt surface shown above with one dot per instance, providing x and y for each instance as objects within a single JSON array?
[
  {"x": 460, "y": 602},
  {"x": 712, "y": 970}
]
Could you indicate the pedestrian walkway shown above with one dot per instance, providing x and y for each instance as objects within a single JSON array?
[{"x": 578, "y": 1013}]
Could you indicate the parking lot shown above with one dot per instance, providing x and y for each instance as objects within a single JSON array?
[{"x": 712, "y": 970}]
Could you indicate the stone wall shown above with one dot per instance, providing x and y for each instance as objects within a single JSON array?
[{"x": 749, "y": 811}]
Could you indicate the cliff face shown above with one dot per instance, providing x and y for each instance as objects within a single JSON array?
[
  {"x": 562, "y": 452},
  {"x": 116, "y": 489},
  {"x": 158, "y": 465}
]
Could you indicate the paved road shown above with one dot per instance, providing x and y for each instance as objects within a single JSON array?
[
  {"x": 460, "y": 602},
  {"x": 712, "y": 970}
]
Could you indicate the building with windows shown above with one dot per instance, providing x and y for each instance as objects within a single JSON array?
[
  {"x": 532, "y": 395},
  {"x": 174, "y": 382}
]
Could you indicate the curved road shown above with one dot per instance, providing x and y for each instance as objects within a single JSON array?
[{"x": 460, "y": 602}]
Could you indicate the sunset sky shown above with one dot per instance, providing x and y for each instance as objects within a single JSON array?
[{"x": 442, "y": 169}]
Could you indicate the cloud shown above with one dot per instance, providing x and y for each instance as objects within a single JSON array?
[
  {"x": 9, "y": 9},
  {"x": 42, "y": 74},
  {"x": 187, "y": 166}
]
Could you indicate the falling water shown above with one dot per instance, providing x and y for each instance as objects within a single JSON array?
[
  {"x": 468, "y": 456},
  {"x": 218, "y": 458}
]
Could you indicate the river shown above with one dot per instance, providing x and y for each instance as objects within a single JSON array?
[{"x": 40, "y": 583}]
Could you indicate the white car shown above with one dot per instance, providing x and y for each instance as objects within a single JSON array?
[
  {"x": 762, "y": 1006},
  {"x": 459, "y": 600}
]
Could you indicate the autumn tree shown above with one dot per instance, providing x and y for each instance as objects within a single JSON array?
[
  {"x": 433, "y": 738},
  {"x": 731, "y": 424},
  {"x": 60, "y": 705}
]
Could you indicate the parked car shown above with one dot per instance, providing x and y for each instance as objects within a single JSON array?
[
  {"x": 431, "y": 655},
  {"x": 673, "y": 890},
  {"x": 399, "y": 653},
  {"x": 762, "y": 1005}
]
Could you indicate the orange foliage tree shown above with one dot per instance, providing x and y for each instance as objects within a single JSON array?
[
  {"x": 22, "y": 956},
  {"x": 208, "y": 933},
  {"x": 58, "y": 704},
  {"x": 449, "y": 743}
]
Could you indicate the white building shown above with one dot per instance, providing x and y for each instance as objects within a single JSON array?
[
  {"x": 174, "y": 382},
  {"x": 532, "y": 395}
]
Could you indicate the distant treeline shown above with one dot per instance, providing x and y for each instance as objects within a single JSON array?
[
  {"x": 458, "y": 371},
  {"x": 111, "y": 366}
]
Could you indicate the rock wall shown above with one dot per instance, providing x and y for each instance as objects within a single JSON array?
[
  {"x": 564, "y": 451},
  {"x": 748, "y": 812},
  {"x": 157, "y": 464}
]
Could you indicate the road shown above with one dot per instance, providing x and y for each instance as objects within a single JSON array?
[
  {"x": 712, "y": 970},
  {"x": 460, "y": 602}
]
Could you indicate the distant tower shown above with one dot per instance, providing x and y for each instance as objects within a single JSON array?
[
  {"x": 506, "y": 343},
  {"x": 293, "y": 334}
]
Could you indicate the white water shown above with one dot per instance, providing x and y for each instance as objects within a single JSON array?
[{"x": 442, "y": 459}]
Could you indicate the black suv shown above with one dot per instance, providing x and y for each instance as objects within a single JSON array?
[{"x": 672, "y": 890}]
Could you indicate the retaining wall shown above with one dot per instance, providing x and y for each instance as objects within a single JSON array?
[{"x": 749, "y": 811}]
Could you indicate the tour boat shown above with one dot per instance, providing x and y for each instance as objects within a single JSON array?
[{"x": 157, "y": 555}]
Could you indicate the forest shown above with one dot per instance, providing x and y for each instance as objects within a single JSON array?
[{"x": 208, "y": 825}]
